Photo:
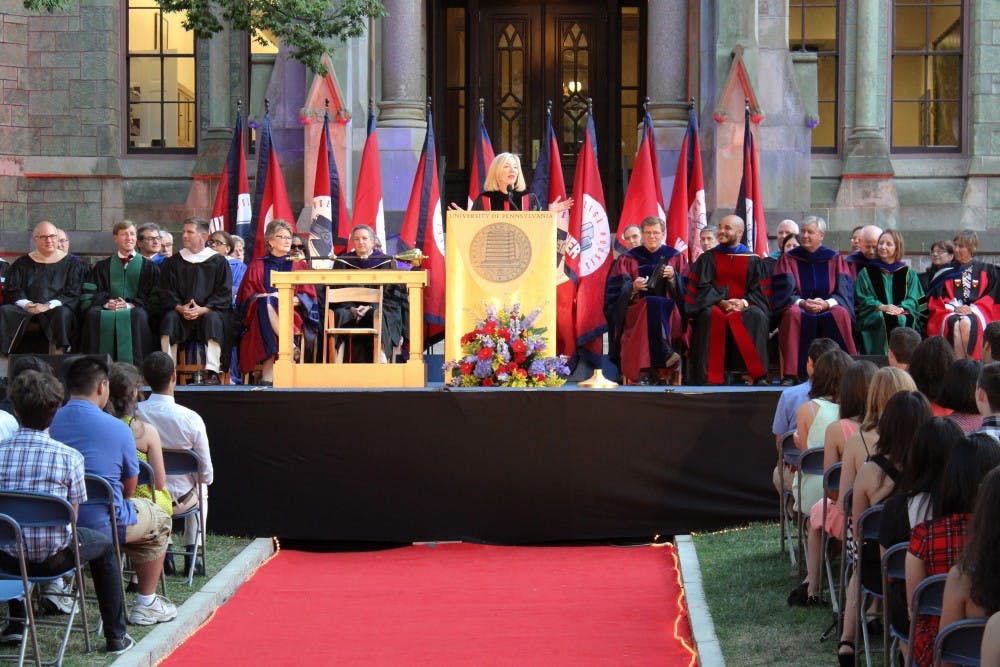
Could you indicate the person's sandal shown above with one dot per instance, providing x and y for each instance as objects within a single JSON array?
[
  {"x": 846, "y": 659},
  {"x": 799, "y": 597}
]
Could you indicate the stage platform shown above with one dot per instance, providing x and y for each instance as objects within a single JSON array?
[{"x": 502, "y": 466}]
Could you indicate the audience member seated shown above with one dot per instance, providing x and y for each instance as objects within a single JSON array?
[
  {"x": 166, "y": 244},
  {"x": 942, "y": 254},
  {"x": 958, "y": 394},
  {"x": 990, "y": 653},
  {"x": 887, "y": 295},
  {"x": 120, "y": 300},
  {"x": 991, "y": 341},
  {"x": 258, "y": 299},
  {"x": 851, "y": 404},
  {"x": 44, "y": 286},
  {"x": 33, "y": 461},
  {"x": 395, "y": 302},
  {"x": 791, "y": 399},
  {"x": 988, "y": 399},
  {"x": 239, "y": 248},
  {"x": 728, "y": 307},
  {"x": 125, "y": 389},
  {"x": 904, "y": 414},
  {"x": 902, "y": 342},
  {"x": 24, "y": 362},
  {"x": 109, "y": 451},
  {"x": 813, "y": 296},
  {"x": 867, "y": 250},
  {"x": 646, "y": 310},
  {"x": 179, "y": 428},
  {"x": 632, "y": 236},
  {"x": 929, "y": 363},
  {"x": 785, "y": 228},
  {"x": 936, "y": 545},
  {"x": 147, "y": 238},
  {"x": 197, "y": 297},
  {"x": 707, "y": 239},
  {"x": 855, "y": 240},
  {"x": 914, "y": 500},
  {"x": 222, "y": 243},
  {"x": 787, "y": 243},
  {"x": 973, "y": 587},
  {"x": 961, "y": 304}
]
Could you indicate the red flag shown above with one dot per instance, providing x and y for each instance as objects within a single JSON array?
[
  {"x": 232, "y": 209},
  {"x": 368, "y": 207},
  {"x": 750, "y": 205},
  {"x": 686, "y": 216},
  {"x": 270, "y": 199},
  {"x": 482, "y": 157},
  {"x": 588, "y": 249},
  {"x": 644, "y": 197},
  {"x": 423, "y": 229},
  {"x": 548, "y": 185},
  {"x": 329, "y": 210}
]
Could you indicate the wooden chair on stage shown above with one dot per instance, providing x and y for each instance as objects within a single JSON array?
[
  {"x": 191, "y": 364},
  {"x": 364, "y": 295}
]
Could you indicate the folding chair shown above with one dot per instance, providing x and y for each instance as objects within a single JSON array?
[
  {"x": 960, "y": 643},
  {"x": 41, "y": 510},
  {"x": 146, "y": 478},
  {"x": 788, "y": 454},
  {"x": 19, "y": 588},
  {"x": 831, "y": 484},
  {"x": 867, "y": 529},
  {"x": 893, "y": 572},
  {"x": 927, "y": 600},
  {"x": 364, "y": 295},
  {"x": 100, "y": 494},
  {"x": 186, "y": 462},
  {"x": 810, "y": 463}
]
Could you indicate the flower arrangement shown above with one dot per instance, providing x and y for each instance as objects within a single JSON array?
[{"x": 505, "y": 350}]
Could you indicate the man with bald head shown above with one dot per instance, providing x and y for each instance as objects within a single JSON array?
[
  {"x": 785, "y": 228},
  {"x": 867, "y": 251},
  {"x": 727, "y": 299},
  {"x": 813, "y": 296},
  {"x": 44, "y": 286}
]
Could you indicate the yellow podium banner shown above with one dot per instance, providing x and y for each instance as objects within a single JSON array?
[{"x": 499, "y": 258}]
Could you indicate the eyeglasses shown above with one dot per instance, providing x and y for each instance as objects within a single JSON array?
[
  {"x": 149, "y": 238},
  {"x": 283, "y": 237},
  {"x": 939, "y": 251},
  {"x": 47, "y": 237},
  {"x": 213, "y": 243}
]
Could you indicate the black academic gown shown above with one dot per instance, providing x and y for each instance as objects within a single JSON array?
[
  {"x": 395, "y": 309},
  {"x": 124, "y": 334},
  {"x": 209, "y": 283},
  {"x": 40, "y": 283}
]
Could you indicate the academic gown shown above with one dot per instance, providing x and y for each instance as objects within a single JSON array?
[
  {"x": 39, "y": 283},
  {"x": 124, "y": 334},
  {"x": 208, "y": 281},
  {"x": 494, "y": 200},
  {"x": 855, "y": 262},
  {"x": 727, "y": 273},
  {"x": 882, "y": 284},
  {"x": 971, "y": 284},
  {"x": 822, "y": 274},
  {"x": 643, "y": 325},
  {"x": 260, "y": 341},
  {"x": 395, "y": 309}
]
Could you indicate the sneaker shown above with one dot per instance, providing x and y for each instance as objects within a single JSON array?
[
  {"x": 120, "y": 645},
  {"x": 57, "y": 597},
  {"x": 161, "y": 611},
  {"x": 12, "y": 633}
]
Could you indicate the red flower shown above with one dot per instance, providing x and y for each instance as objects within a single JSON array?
[
  {"x": 487, "y": 382},
  {"x": 490, "y": 328},
  {"x": 465, "y": 369},
  {"x": 520, "y": 372},
  {"x": 505, "y": 334},
  {"x": 519, "y": 347},
  {"x": 520, "y": 357},
  {"x": 485, "y": 352},
  {"x": 539, "y": 377},
  {"x": 467, "y": 337}
]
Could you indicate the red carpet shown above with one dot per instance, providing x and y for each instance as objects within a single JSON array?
[{"x": 453, "y": 604}]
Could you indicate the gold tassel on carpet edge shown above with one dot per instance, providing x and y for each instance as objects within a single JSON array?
[{"x": 597, "y": 381}]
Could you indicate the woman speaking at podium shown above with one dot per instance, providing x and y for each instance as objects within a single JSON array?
[{"x": 505, "y": 190}]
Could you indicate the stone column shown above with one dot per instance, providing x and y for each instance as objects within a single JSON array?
[
  {"x": 404, "y": 65},
  {"x": 667, "y": 62}
]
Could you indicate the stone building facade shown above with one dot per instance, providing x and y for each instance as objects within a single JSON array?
[{"x": 107, "y": 110}]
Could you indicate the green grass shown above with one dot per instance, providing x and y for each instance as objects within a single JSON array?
[
  {"x": 221, "y": 550},
  {"x": 746, "y": 579}
]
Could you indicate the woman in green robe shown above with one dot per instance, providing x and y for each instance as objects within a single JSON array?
[{"x": 887, "y": 295}]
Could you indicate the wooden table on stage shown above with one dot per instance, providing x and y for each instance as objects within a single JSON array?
[{"x": 288, "y": 374}]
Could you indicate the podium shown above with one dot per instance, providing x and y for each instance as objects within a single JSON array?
[
  {"x": 501, "y": 258},
  {"x": 288, "y": 374}
]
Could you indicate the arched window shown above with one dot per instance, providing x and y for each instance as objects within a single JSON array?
[
  {"x": 814, "y": 25},
  {"x": 927, "y": 74},
  {"x": 160, "y": 61}
]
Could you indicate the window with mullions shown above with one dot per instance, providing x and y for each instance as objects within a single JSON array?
[
  {"x": 927, "y": 77},
  {"x": 813, "y": 25},
  {"x": 160, "y": 61}
]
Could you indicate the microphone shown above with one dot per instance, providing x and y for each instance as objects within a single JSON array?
[{"x": 510, "y": 195}]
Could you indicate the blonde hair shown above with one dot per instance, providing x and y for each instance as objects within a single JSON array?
[
  {"x": 492, "y": 181},
  {"x": 886, "y": 383},
  {"x": 897, "y": 238}
]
